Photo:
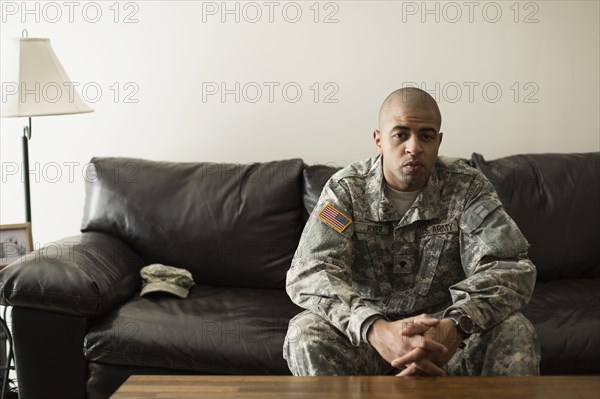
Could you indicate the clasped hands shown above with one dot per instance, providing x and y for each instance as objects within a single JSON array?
[{"x": 419, "y": 345}]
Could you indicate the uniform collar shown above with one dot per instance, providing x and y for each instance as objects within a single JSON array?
[{"x": 426, "y": 205}]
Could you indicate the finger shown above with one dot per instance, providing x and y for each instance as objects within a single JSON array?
[
  {"x": 410, "y": 370},
  {"x": 423, "y": 365},
  {"x": 428, "y": 344},
  {"x": 429, "y": 368},
  {"x": 409, "y": 329},
  {"x": 419, "y": 325},
  {"x": 426, "y": 319},
  {"x": 409, "y": 358},
  {"x": 418, "y": 353}
]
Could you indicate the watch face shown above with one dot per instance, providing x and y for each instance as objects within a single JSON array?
[{"x": 466, "y": 324}]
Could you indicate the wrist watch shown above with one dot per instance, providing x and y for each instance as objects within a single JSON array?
[{"x": 464, "y": 323}]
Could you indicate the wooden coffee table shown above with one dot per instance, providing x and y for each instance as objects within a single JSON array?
[{"x": 271, "y": 387}]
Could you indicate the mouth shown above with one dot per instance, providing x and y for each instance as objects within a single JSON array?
[{"x": 413, "y": 166}]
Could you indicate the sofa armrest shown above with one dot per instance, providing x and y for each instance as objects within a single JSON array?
[{"x": 83, "y": 275}]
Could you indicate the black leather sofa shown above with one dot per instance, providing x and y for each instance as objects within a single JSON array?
[{"x": 80, "y": 327}]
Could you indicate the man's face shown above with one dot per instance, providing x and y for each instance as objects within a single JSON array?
[{"x": 409, "y": 139}]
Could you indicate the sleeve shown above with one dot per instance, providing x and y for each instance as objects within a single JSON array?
[
  {"x": 320, "y": 277},
  {"x": 500, "y": 276}
]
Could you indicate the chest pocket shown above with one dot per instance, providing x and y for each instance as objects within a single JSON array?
[
  {"x": 430, "y": 256},
  {"x": 369, "y": 275}
]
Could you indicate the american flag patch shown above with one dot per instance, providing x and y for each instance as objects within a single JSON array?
[{"x": 334, "y": 218}]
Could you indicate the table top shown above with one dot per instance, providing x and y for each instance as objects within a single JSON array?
[{"x": 265, "y": 387}]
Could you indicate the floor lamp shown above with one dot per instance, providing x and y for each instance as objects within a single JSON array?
[{"x": 34, "y": 83}]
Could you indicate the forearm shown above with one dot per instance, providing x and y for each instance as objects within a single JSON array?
[
  {"x": 490, "y": 296},
  {"x": 499, "y": 275},
  {"x": 332, "y": 298}
]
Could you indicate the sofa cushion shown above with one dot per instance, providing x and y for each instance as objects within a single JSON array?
[
  {"x": 554, "y": 199},
  {"x": 566, "y": 316},
  {"x": 228, "y": 224},
  {"x": 215, "y": 330}
]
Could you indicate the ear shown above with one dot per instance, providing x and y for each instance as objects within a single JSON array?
[
  {"x": 377, "y": 139},
  {"x": 441, "y": 136}
]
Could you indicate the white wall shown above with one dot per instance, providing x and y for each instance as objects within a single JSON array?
[{"x": 548, "y": 51}]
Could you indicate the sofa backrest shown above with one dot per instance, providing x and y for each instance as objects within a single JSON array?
[
  {"x": 314, "y": 178},
  {"x": 554, "y": 200},
  {"x": 228, "y": 224}
]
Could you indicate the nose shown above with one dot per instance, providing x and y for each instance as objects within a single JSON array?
[{"x": 413, "y": 146}]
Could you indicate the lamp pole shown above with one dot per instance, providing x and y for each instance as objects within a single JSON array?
[{"x": 25, "y": 140}]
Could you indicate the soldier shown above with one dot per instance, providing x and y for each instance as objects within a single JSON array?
[{"x": 409, "y": 264}]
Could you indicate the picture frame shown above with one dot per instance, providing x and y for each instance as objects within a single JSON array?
[{"x": 15, "y": 242}]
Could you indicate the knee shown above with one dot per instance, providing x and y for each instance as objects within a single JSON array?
[
  {"x": 310, "y": 346},
  {"x": 517, "y": 330},
  {"x": 305, "y": 330},
  {"x": 511, "y": 348}
]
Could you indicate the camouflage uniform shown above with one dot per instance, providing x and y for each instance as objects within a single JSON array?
[{"x": 455, "y": 248}]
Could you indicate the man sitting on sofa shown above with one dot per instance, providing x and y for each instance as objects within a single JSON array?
[{"x": 410, "y": 264}]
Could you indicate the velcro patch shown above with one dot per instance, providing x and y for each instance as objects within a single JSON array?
[
  {"x": 334, "y": 218},
  {"x": 441, "y": 228},
  {"x": 372, "y": 228},
  {"x": 473, "y": 218}
]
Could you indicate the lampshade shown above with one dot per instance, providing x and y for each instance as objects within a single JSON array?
[{"x": 34, "y": 83}]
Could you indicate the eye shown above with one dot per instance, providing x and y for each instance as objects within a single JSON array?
[
  {"x": 399, "y": 135},
  {"x": 427, "y": 137}
]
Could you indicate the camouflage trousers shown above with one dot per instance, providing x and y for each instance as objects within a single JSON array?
[{"x": 314, "y": 347}]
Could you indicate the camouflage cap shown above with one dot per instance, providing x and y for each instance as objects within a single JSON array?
[{"x": 161, "y": 278}]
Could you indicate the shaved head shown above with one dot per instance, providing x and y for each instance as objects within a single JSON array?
[
  {"x": 409, "y": 97},
  {"x": 408, "y": 138}
]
